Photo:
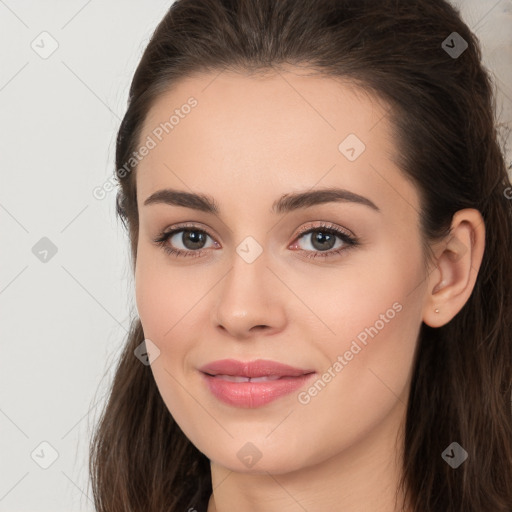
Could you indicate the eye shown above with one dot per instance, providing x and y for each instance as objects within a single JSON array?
[
  {"x": 191, "y": 237},
  {"x": 322, "y": 244}
]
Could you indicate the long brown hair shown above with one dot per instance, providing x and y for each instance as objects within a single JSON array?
[{"x": 444, "y": 122}]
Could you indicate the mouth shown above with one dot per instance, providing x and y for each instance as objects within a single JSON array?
[
  {"x": 256, "y": 369},
  {"x": 240, "y": 378},
  {"x": 252, "y": 384}
]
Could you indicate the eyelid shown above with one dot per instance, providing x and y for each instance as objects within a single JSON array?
[
  {"x": 347, "y": 236},
  {"x": 327, "y": 226},
  {"x": 176, "y": 228},
  {"x": 303, "y": 230},
  {"x": 167, "y": 233}
]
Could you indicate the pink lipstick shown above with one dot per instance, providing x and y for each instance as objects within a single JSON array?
[{"x": 252, "y": 384}]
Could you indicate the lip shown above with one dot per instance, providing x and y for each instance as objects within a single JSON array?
[
  {"x": 256, "y": 368},
  {"x": 225, "y": 380}
]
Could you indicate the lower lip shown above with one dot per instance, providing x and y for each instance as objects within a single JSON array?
[{"x": 253, "y": 394}]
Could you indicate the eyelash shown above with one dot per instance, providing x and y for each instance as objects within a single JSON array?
[{"x": 349, "y": 241}]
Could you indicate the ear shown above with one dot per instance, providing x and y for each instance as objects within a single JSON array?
[{"x": 457, "y": 262}]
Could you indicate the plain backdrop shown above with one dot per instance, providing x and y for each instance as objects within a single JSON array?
[{"x": 66, "y": 293}]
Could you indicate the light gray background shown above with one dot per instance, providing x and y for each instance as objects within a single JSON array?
[{"x": 64, "y": 321}]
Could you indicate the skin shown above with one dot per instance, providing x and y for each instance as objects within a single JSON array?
[{"x": 250, "y": 140}]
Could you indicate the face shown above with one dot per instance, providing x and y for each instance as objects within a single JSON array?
[{"x": 332, "y": 285}]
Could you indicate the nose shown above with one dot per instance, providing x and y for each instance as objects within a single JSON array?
[{"x": 250, "y": 300}]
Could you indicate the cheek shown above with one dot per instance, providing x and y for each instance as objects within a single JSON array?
[
  {"x": 372, "y": 370},
  {"x": 152, "y": 296},
  {"x": 165, "y": 301},
  {"x": 368, "y": 298},
  {"x": 367, "y": 372},
  {"x": 380, "y": 332},
  {"x": 164, "y": 295},
  {"x": 374, "y": 319}
]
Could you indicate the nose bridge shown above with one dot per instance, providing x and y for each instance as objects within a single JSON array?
[
  {"x": 247, "y": 295},
  {"x": 249, "y": 270}
]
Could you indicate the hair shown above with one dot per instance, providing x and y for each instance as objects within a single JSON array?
[{"x": 443, "y": 116}]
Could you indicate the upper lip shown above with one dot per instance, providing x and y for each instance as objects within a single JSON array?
[{"x": 252, "y": 369}]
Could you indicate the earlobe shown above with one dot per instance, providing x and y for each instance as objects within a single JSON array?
[{"x": 458, "y": 260}]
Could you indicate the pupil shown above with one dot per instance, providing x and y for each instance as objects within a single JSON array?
[
  {"x": 196, "y": 238},
  {"x": 323, "y": 237}
]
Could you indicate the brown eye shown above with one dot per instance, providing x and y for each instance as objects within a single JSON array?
[
  {"x": 191, "y": 239},
  {"x": 323, "y": 239}
]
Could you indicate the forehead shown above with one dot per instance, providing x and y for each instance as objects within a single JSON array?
[
  {"x": 268, "y": 103},
  {"x": 229, "y": 130}
]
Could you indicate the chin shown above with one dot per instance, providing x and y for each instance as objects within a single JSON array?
[{"x": 249, "y": 459}]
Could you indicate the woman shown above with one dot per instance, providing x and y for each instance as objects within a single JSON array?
[{"x": 321, "y": 235}]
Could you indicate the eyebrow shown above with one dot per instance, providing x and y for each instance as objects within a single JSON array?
[{"x": 286, "y": 203}]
